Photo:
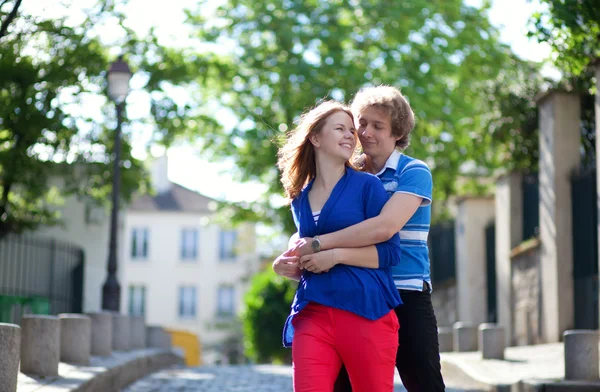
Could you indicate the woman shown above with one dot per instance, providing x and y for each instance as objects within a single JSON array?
[{"x": 344, "y": 314}]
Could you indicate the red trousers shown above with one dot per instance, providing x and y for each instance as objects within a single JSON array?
[{"x": 326, "y": 337}]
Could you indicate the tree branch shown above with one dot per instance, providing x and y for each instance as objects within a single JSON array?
[{"x": 9, "y": 18}]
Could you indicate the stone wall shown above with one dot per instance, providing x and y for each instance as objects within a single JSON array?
[
  {"x": 526, "y": 294},
  {"x": 444, "y": 303}
]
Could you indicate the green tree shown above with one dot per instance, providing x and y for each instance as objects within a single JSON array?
[
  {"x": 48, "y": 68},
  {"x": 572, "y": 29},
  {"x": 267, "y": 307},
  {"x": 289, "y": 54}
]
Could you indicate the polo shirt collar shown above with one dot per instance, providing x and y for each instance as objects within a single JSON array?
[{"x": 391, "y": 163}]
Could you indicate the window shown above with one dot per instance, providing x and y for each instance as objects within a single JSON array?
[
  {"x": 187, "y": 302},
  {"x": 227, "y": 245},
  {"x": 189, "y": 244},
  {"x": 226, "y": 301},
  {"x": 137, "y": 300},
  {"x": 139, "y": 243}
]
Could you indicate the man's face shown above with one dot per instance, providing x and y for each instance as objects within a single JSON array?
[{"x": 375, "y": 133}]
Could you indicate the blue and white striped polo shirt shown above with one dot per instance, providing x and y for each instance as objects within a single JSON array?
[{"x": 403, "y": 174}]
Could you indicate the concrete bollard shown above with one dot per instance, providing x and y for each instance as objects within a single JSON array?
[
  {"x": 491, "y": 341},
  {"x": 138, "y": 332},
  {"x": 40, "y": 345},
  {"x": 581, "y": 355},
  {"x": 121, "y": 332},
  {"x": 102, "y": 333},
  {"x": 10, "y": 353},
  {"x": 157, "y": 337},
  {"x": 445, "y": 339},
  {"x": 75, "y": 338},
  {"x": 465, "y": 337}
]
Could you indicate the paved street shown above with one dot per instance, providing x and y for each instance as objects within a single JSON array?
[{"x": 262, "y": 378}]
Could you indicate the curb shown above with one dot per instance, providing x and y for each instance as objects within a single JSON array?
[
  {"x": 109, "y": 378},
  {"x": 458, "y": 370},
  {"x": 557, "y": 386}
]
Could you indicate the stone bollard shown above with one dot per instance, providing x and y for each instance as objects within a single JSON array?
[
  {"x": 581, "y": 355},
  {"x": 40, "y": 345},
  {"x": 491, "y": 341},
  {"x": 75, "y": 338},
  {"x": 102, "y": 333},
  {"x": 465, "y": 337},
  {"x": 157, "y": 337},
  {"x": 121, "y": 332},
  {"x": 445, "y": 339},
  {"x": 138, "y": 332},
  {"x": 10, "y": 352}
]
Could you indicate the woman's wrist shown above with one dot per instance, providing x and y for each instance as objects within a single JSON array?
[{"x": 336, "y": 256}]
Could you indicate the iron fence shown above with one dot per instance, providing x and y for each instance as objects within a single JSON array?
[
  {"x": 442, "y": 252},
  {"x": 39, "y": 275},
  {"x": 585, "y": 249}
]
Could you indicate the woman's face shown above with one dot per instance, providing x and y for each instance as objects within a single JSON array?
[{"x": 337, "y": 138}]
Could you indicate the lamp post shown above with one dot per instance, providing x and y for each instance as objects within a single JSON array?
[{"x": 118, "y": 88}]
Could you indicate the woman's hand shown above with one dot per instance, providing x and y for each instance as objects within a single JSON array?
[
  {"x": 287, "y": 265},
  {"x": 303, "y": 247},
  {"x": 318, "y": 262}
]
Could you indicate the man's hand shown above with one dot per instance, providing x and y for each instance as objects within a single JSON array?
[
  {"x": 287, "y": 265},
  {"x": 318, "y": 262},
  {"x": 303, "y": 247}
]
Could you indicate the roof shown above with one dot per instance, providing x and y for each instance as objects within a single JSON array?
[{"x": 177, "y": 198}]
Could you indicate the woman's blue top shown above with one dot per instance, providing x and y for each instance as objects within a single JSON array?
[{"x": 367, "y": 292}]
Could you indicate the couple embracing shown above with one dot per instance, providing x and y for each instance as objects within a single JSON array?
[{"x": 363, "y": 303}]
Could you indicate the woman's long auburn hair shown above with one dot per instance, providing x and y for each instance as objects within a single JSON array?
[{"x": 296, "y": 159}]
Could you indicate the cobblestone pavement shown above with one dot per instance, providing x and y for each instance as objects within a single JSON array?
[{"x": 259, "y": 378}]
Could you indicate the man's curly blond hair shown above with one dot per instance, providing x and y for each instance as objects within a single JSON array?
[{"x": 391, "y": 101}]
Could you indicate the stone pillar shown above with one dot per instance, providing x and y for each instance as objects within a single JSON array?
[
  {"x": 491, "y": 341},
  {"x": 102, "y": 337},
  {"x": 581, "y": 355},
  {"x": 157, "y": 337},
  {"x": 138, "y": 332},
  {"x": 75, "y": 338},
  {"x": 559, "y": 119},
  {"x": 121, "y": 332},
  {"x": 465, "y": 337},
  {"x": 10, "y": 353},
  {"x": 472, "y": 217},
  {"x": 445, "y": 339},
  {"x": 40, "y": 345},
  {"x": 509, "y": 233}
]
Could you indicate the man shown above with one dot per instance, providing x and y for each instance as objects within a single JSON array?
[{"x": 385, "y": 122}]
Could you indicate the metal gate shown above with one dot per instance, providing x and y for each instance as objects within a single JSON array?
[
  {"x": 585, "y": 249},
  {"x": 490, "y": 255},
  {"x": 442, "y": 252},
  {"x": 39, "y": 275}
]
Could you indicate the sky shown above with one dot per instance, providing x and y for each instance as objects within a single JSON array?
[{"x": 215, "y": 179}]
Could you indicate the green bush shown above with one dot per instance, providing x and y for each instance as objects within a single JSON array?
[{"x": 267, "y": 306}]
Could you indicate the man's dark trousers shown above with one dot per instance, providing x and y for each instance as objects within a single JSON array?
[{"x": 418, "y": 358}]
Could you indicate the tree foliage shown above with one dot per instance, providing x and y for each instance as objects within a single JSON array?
[
  {"x": 267, "y": 307},
  {"x": 50, "y": 71},
  {"x": 288, "y": 54},
  {"x": 572, "y": 29}
]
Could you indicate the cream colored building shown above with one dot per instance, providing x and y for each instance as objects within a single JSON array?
[{"x": 181, "y": 270}]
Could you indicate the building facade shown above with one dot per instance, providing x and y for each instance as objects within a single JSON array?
[{"x": 181, "y": 270}]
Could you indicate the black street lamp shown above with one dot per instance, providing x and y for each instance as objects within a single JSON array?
[{"x": 118, "y": 88}]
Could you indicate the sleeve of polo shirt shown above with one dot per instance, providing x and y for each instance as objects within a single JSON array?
[
  {"x": 374, "y": 199},
  {"x": 416, "y": 180}
]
